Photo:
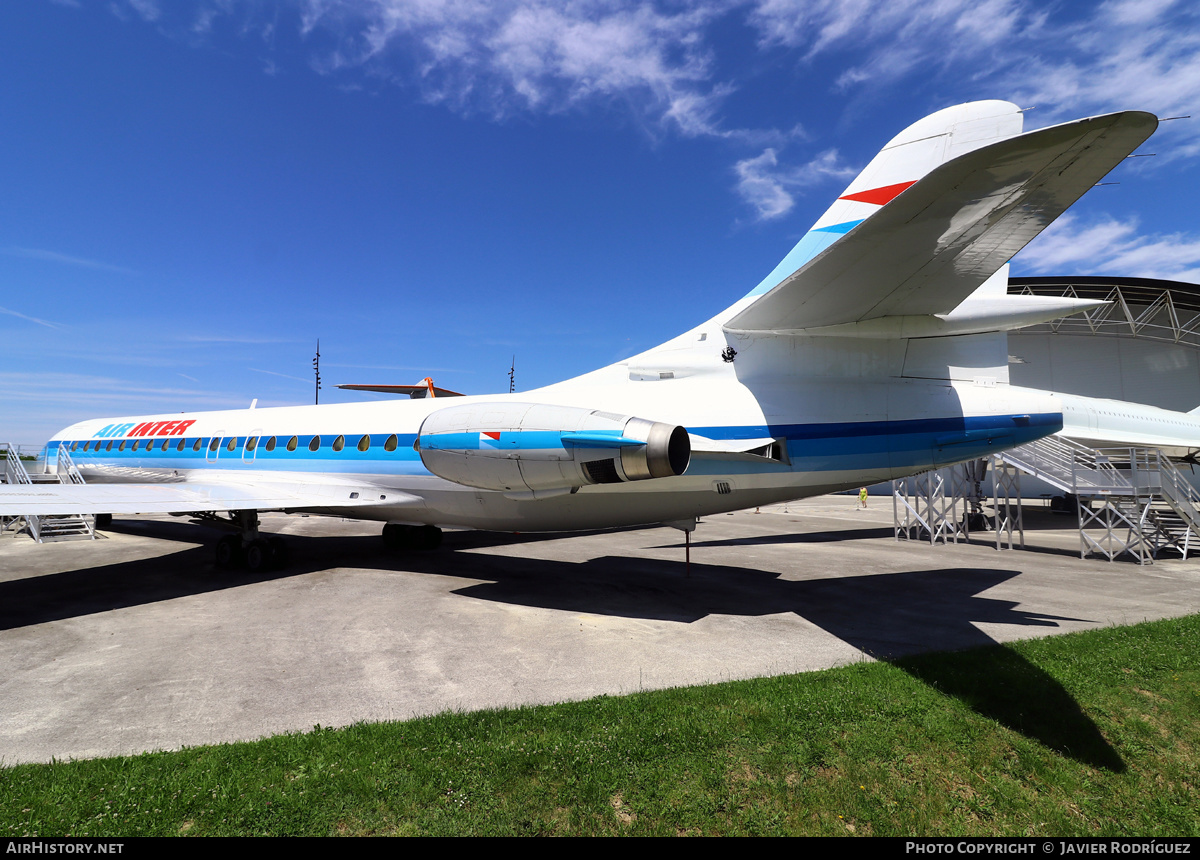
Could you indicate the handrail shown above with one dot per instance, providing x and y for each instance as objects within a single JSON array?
[{"x": 14, "y": 473}]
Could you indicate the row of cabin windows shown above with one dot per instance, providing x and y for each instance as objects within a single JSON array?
[{"x": 364, "y": 443}]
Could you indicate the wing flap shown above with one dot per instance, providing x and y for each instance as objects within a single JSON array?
[
  {"x": 932, "y": 245},
  {"x": 61, "y": 499}
]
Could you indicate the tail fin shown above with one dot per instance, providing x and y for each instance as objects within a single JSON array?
[
  {"x": 897, "y": 249},
  {"x": 907, "y": 157}
]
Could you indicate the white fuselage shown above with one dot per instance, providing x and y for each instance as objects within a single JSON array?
[
  {"x": 833, "y": 431},
  {"x": 877, "y": 348}
]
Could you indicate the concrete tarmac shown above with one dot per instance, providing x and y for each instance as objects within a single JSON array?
[{"x": 136, "y": 642}]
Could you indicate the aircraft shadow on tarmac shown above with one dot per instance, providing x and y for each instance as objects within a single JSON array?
[
  {"x": 895, "y": 617},
  {"x": 779, "y": 538}
]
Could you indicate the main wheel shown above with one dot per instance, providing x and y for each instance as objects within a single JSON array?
[
  {"x": 427, "y": 537},
  {"x": 229, "y": 551},
  {"x": 258, "y": 556},
  {"x": 279, "y": 551},
  {"x": 396, "y": 536}
]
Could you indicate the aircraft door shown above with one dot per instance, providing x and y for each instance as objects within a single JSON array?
[
  {"x": 250, "y": 447},
  {"x": 213, "y": 451}
]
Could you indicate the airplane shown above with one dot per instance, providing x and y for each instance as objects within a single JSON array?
[{"x": 876, "y": 349}]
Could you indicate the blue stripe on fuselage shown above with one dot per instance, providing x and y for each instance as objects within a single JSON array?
[{"x": 811, "y": 447}]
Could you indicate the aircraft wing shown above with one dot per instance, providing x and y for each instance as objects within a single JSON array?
[
  {"x": 930, "y": 247},
  {"x": 57, "y": 499}
]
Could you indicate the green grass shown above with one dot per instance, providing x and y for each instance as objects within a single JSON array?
[{"x": 1088, "y": 734}]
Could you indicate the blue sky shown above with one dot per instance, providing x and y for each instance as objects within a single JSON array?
[{"x": 192, "y": 192}]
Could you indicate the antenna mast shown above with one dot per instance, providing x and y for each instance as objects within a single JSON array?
[
  {"x": 512, "y": 385},
  {"x": 317, "y": 372}
]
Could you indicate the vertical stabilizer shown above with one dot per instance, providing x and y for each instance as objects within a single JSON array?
[{"x": 907, "y": 157}]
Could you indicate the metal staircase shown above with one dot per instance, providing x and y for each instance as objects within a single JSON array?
[
  {"x": 14, "y": 473},
  {"x": 42, "y": 528},
  {"x": 944, "y": 505},
  {"x": 1130, "y": 501}
]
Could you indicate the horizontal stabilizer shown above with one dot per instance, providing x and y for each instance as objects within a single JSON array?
[
  {"x": 415, "y": 391},
  {"x": 931, "y": 246},
  {"x": 971, "y": 317}
]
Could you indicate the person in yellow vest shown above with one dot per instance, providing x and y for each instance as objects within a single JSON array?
[{"x": 862, "y": 498}]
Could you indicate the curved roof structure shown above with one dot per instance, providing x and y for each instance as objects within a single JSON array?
[{"x": 1144, "y": 346}]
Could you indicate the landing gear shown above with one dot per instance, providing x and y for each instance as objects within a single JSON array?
[
  {"x": 229, "y": 552},
  {"x": 258, "y": 556},
  {"x": 397, "y": 536},
  {"x": 247, "y": 549}
]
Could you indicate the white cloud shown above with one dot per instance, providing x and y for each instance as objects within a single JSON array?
[
  {"x": 1070, "y": 61},
  {"x": 659, "y": 60},
  {"x": 284, "y": 375},
  {"x": 28, "y": 318},
  {"x": 893, "y": 37},
  {"x": 56, "y": 257},
  {"x": 147, "y": 9},
  {"x": 1108, "y": 64},
  {"x": 1112, "y": 247},
  {"x": 510, "y": 56},
  {"x": 768, "y": 188},
  {"x": 759, "y": 186},
  {"x": 506, "y": 56},
  {"x": 102, "y": 392}
]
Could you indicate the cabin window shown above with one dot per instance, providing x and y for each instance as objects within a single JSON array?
[
  {"x": 121, "y": 447},
  {"x": 179, "y": 445},
  {"x": 271, "y": 444},
  {"x": 196, "y": 444},
  {"x": 364, "y": 443},
  {"x": 136, "y": 443},
  {"x": 390, "y": 444},
  {"x": 214, "y": 444},
  {"x": 251, "y": 443},
  {"x": 166, "y": 443},
  {"x": 108, "y": 447},
  {"x": 339, "y": 443},
  {"x": 291, "y": 445},
  {"x": 231, "y": 444},
  {"x": 314, "y": 443},
  {"x": 73, "y": 444}
]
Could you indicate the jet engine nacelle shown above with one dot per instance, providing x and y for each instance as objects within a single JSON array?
[{"x": 534, "y": 449}]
